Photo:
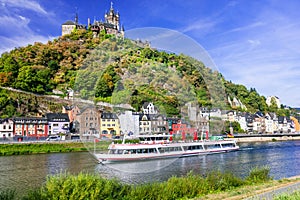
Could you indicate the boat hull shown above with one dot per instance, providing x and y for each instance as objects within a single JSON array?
[{"x": 109, "y": 158}]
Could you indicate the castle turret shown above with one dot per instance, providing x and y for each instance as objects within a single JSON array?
[{"x": 76, "y": 18}]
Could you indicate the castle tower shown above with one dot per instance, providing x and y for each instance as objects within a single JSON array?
[{"x": 112, "y": 18}]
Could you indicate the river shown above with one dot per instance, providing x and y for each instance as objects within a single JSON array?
[{"x": 25, "y": 172}]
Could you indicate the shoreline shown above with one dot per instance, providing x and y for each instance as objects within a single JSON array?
[{"x": 266, "y": 139}]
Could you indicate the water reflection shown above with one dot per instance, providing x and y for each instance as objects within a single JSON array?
[
  {"x": 31, "y": 171},
  {"x": 141, "y": 166}
]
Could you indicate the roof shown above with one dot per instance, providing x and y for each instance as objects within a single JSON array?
[
  {"x": 141, "y": 115},
  {"x": 69, "y": 107},
  {"x": 57, "y": 117},
  {"x": 69, "y": 22},
  {"x": 6, "y": 120},
  {"x": 30, "y": 120},
  {"x": 108, "y": 116}
]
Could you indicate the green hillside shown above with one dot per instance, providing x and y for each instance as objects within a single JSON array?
[{"x": 117, "y": 70}]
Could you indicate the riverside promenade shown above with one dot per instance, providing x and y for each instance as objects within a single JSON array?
[
  {"x": 270, "y": 193},
  {"x": 266, "y": 137}
]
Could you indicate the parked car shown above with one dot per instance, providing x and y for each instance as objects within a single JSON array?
[{"x": 53, "y": 138}]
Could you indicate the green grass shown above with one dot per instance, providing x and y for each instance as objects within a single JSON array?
[
  {"x": 87, "y": 186},
  {"x": 35, "y": 148},
  {"x": 293, "y": 196},
  {"x": 7, "y": 195}
]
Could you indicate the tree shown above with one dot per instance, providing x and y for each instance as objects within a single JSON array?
[{"x": 106, "y": 83}]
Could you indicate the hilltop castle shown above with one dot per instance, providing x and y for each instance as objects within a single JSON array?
[{"x": 111, "y": 25}]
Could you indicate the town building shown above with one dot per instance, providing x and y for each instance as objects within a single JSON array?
[
  {"x": 72, "y": 112},
  {"x": 88, "y": 123},
  {"x": 6, "y": 128},
  {"x": 273, "y": 99},
  {"x": 149, "y": 108},
  {"x": 59, "y": 124},
  {"x": 109, "y": 125},
  {"x": 159, "y": 124},
  {"x": 30, "y": 127},
  {"x": 145, "y": 124},
  {"x": 129, "y": 123}
]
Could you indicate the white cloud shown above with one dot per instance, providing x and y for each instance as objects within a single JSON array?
[
  {"x": 264, "y": 54},
  {"x": 200, "y": 25},
  {"x": 25, "y": 4},
  {"x": 15, "y": 17}
]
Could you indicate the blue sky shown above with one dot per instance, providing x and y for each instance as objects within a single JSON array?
[{"x": 254, "y": 43}]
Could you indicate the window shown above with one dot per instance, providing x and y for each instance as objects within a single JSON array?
[{"x": 4, "y": 126}]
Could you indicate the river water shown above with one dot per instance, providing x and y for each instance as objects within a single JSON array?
[{"x": 25, "y": 172}]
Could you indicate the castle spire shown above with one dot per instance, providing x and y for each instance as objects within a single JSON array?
[
  {"x": 111, "y": 6},
  {"x": 76, "y": 16}
]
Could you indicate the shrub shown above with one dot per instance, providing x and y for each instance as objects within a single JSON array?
[
  {"x": 259, "y": 175},
  {"x": 7, "y": 195}
]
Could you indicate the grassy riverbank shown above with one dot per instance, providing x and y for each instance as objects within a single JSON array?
[
  {"x": 35, "y": 148},
  {"x": 87, "y": 186},
  {"x": 49, "y": 147}
]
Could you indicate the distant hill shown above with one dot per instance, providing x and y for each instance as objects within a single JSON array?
[{"x": 117, "y": 70}]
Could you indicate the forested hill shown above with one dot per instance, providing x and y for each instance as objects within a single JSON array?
[{"x": 117, "y": 70}]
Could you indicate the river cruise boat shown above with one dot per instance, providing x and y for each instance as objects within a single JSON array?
[{"x": 159, "y": 147}]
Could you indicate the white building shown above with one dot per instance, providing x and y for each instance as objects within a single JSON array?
[
  {"x": 273, "y": 98},
  {"x": 6, "y": 128},
  {"x": 129, "y": 122}
]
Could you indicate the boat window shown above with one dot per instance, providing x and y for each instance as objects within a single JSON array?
[
  {"x": 133, "y": 151},
  {"x": 119, "y": 151},
  {"x": 194, "y": 147},
  {"x": 152, "y": 150},
  {"x": 213, "y": 146},
  {"x": 177, "y": 148},
  {"x": 161, "y": 150},
  {"x": 228, "y": 145},
  {"x": 144, "y": 150},
  {"x": 139, "y": 151},
  {"x": 115, "y": 151}
]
